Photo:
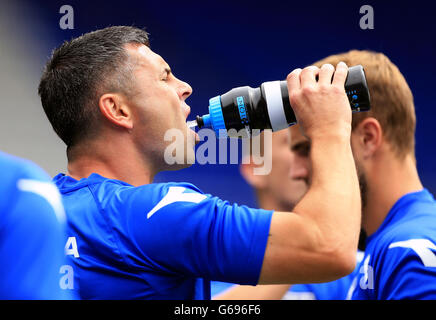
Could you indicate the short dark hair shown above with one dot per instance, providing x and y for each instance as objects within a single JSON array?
[{"x": 79, "y": 72}]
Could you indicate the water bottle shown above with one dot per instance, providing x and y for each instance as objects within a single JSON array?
[{"x": 241, "y": 110}]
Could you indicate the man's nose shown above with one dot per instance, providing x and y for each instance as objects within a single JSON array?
[{"x": 184, "y": 90}]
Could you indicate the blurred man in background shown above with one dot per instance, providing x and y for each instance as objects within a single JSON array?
[
  {"x": 398, "y": 213},
  {"x": 32, "y": 229}
]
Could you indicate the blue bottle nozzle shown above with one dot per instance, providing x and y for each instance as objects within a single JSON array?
[{"x": 215, "y": 118}]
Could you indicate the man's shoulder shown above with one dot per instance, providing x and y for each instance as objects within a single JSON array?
[
  {"x": 405, "y": 261},
  {"x": 30, "y": 202},
  {"x": 417, "y": 219},
  {"x": 157, "y": 190},
  {"x": 405, "y": 237},
  {"x": 14, "y": 168},
  {"x": 18, "y": 175},
  {"x": 409, "y": 241},
  {"x": 150, "y": 197},
  {"x": 420, "y": 222}
]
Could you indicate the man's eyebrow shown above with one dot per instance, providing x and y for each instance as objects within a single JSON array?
[{"x": 167, "y": 69}]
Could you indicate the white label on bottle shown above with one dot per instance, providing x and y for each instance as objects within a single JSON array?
[{"x": 274, "y": 102}]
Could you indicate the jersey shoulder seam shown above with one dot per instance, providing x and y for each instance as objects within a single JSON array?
[{"x": 110, "y": 229}]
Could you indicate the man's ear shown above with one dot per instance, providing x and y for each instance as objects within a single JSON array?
[
  {"x": 369, "y": 135},
  {"x": 114, "y": 109},
  {"x": 246, "y": 168}
]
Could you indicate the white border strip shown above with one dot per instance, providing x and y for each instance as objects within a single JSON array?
[{"x": 276, "y": 112}]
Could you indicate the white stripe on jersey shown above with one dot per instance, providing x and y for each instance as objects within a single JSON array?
[{"x": 46, "y": 190}]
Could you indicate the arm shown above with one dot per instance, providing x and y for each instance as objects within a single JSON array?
[
  {"x": 259, "y": 292},
  {"x": 318, "y": 241}
]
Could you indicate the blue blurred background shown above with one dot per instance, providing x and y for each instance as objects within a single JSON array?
[{"x": 214, "y": 46}]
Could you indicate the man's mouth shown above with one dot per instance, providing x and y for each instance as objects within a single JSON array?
[{"x": 191, "y": 126}]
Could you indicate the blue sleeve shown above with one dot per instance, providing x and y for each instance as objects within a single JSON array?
[
  {"x": 218, "y": 287},
  {"x": 32, "y": 237},
  {"x": 203, "y": 236},
  {"x": 408, "y": 271}
]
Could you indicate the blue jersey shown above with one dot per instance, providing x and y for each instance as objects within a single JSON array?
[
  {"x": 157, "y": 241},
  {"x": 32, "y": 226},
  {"x": 400, "y": 257}
]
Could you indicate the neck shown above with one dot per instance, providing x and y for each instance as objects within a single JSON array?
[
  {"x": 116, "y": 160},
  {"x": 388, "y": 180}
]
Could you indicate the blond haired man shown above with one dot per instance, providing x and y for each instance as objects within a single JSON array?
[{"x": 398, "y": 213}]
